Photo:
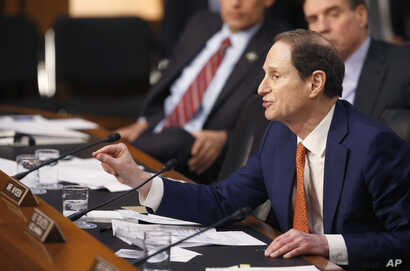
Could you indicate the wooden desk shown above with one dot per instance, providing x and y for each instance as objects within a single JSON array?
[
  {"x": 21, "y": 251},
  {"x": 143, "y": 158}
]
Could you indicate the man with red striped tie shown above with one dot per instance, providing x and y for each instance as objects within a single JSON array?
[{"x": 215, "y": 68}]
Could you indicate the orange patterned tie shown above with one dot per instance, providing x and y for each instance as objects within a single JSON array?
[{"x": 300, "y": 219}]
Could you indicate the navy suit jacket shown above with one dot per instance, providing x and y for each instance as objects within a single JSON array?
[{"x": 366, "y": 195}]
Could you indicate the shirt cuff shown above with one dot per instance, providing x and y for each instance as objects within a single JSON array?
[
  {"x": 155, "y": 194},
  {"x": 337, "y": 249}
]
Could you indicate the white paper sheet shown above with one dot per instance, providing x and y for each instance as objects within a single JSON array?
[
  {"x": 8, "y": 166},
  {"x": 156, "y": 219},
  {"x": 177, "y": 254},
  {"x": 90, "y": 173},
  {"x": 37, "y": 125},
  {"x": 231, "y": 238}
]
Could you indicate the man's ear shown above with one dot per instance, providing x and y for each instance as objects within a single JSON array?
[
  {"x": 362, "y": 15},
  {"x": 318, "y": 80},
  {"x": 269, "y": 3}
]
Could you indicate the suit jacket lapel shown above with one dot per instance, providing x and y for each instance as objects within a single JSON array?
[
  {"x": 183, "y": 56},
  {"x": 245, "y": 64},
  {"x": 335, "y": 165},
  {"x": 371, "y": 78}
]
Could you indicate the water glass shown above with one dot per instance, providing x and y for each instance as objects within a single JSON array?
[
  {"x": 48, "y": 174},
  {"x": 75, "y": 199},
  {"x": 154, "y": 241},
  {"x": 27, "y": 162}
]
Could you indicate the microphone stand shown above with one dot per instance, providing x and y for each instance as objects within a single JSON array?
[
  {"x": 108, "y": 139},
  {"x": 168, "y": 166},
  {"x": 238, "y": 215}
]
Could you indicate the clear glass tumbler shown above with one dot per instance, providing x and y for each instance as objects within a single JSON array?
[
  {"x": 75, "y": 199},
  {"x": 49, "y": 175},
  {"x": 27, "y": 162},
  {"x": 154, "y": 241}
]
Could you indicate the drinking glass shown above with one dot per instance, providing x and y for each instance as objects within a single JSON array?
[
  {"x": 154, "y": 241},
  {"x": 26, "y": 162},
  {"x": 48, "y": 174},
  {"x": 75, "y": 199}
]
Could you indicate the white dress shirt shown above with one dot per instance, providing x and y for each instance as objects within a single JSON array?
[
  {"x": 239, "y": 41},
  {"x": 353, "y": 69},
  {"x": 313, "y": 179},
  {"x": 315, "y": 144}
]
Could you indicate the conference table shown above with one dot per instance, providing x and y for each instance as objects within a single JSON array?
[{"x": 20, "y": 251}]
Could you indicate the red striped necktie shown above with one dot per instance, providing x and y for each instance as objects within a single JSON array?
[{"x": 190, "y": 102}]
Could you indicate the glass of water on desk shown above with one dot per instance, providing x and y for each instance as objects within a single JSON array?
[
  {"x": 49, "y": 175},
  {"x": 75, "y": 199},
  {"x": 154, "y": 241},
  {"x": 26, "y": 162}
]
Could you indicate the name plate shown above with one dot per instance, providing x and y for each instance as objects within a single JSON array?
[
  {"x": 100, "y": 264},
  {"x": 44, "y": 228},
  {"x": 19, "y": 193}
]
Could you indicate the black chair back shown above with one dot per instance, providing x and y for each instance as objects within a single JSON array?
[
  {"x": 246, "y": 136},
  {"x": 19, "y": 50}
]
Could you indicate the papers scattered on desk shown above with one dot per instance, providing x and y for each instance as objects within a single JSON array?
[
  {"x": 133, "y": 233},
  {"x": 287, "y": 268},
  {"x": 45, "y": 131},
  {"x": 8, "y": 166},
  {"x": 86, "y": 172},
  {"x": 182, "y": 255},
  {"x": 90, "y": 173},
  {"x": 177, "y": 254},
  {"x": 156, "y": 219}
]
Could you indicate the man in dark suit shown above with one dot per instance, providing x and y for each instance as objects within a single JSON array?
[
  {"x": 345, "y": 196},
  {"x": 377, "y": 80},
  {"x": 201, "y": 140}
]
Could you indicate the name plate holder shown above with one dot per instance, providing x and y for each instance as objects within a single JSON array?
[
  {"x": 100, "y": 264},
  {"x": 44, "y": 228},
  {"x": 18, "y": 193}
]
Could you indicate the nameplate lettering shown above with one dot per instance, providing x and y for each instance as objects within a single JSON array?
[
  {"x": 44, "y": 228},
  {"x": 18, "y": 193},
  {"x": 100, "y": 264}
]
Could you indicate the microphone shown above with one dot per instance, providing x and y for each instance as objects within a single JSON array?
[
  {"x": 169, "y": 165},
  {"x": 110, "y": 138},
  {"x": 237, "y": 215}
]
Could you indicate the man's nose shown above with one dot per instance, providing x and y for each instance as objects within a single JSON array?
[
  {"x": 322, "y": 25},
  {"x": 263, "y": 89}
]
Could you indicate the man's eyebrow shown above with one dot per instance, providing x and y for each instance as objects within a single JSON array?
[
  {"x": 326, "y": 11},
  {"x": 332, "y": 8}
]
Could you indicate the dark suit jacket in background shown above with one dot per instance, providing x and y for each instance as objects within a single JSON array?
[
  {"x": 366, "y": 195},
  {"x": 383, "y": 90},
  {"x": 240, "y": 85}
]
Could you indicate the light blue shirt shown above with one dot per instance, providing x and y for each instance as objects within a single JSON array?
[
  {"x": 353, "y": 69},
  {"x": 239, "y": 41}
]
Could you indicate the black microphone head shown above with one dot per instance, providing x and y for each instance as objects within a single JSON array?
[
  {"x": 170, "y": 164},
  {"x": 112, "y": 137}
]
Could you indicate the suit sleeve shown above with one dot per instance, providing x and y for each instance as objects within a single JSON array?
[
  {"x": 387, "y": 178},
  {"x": 206, "y": 204}
]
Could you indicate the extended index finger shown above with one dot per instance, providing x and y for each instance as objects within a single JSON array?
[{"x": 112, "y": 150}]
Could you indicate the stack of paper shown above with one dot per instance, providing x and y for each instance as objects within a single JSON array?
[
  {"x": 86, "y": 172},
  {"x": 90, "y": 173},
  {"x": 45, "y": 131}
]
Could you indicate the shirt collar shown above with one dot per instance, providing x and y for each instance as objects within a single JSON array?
[
  {"x": 241, "y": 37},
  {"x": 358, "y": 57},
  {"x": 315, "y": 142}
]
